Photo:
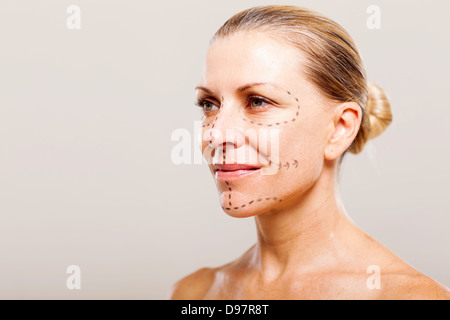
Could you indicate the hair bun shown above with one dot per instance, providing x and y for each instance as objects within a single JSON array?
[{"x": 377, "y": 116}]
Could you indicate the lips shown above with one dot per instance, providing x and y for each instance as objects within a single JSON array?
[
  {"x": 234, "y": 171},
  {"x": 233, "y": 167}
]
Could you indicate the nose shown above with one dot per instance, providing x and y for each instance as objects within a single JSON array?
[{"x": 225, "y": 130}]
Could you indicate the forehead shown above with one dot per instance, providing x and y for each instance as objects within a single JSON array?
[{"x": 247, "y": 57}]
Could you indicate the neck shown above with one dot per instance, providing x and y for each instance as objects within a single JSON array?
[{"x": 303, "y": 232}]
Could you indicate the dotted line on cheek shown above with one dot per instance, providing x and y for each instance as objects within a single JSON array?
[
  {"x": 212, "y": 125},
  {"x": 278, "y": 123},
  {"x": 280, "y": 165},
  {"x": 287, "y": 164},
  {"x": 262, "y": 124}
]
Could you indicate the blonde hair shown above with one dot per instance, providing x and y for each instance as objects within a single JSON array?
[{"x": 333, "y": 62}]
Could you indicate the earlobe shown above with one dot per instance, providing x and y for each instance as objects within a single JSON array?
[{"x": 347, "y": 120}]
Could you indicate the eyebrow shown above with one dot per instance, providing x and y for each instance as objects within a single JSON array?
[{"x": 241, "y": 88}]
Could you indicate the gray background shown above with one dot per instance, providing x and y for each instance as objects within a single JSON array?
[{"x": 86, "y": 118}]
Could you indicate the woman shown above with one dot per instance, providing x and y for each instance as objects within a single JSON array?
[{"x": 299, "y": 74}]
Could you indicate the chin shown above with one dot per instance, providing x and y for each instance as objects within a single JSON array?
[
  {"x": 248, "y": 204},
  {"x": 240, "y": 213},
  {"x": 250, "y": 210}
]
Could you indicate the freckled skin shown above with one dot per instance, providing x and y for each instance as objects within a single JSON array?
[{"x": 307, "y": 247}]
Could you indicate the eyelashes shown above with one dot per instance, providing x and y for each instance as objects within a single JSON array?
[
  {"x": 249, "y": 101},
  {"x": 201, "y": 103}
]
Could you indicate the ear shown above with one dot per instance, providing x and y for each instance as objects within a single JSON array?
[{"x": 346, "y": 121}]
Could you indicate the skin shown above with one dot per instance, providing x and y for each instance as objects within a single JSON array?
[{"x": 307, "y": 247}]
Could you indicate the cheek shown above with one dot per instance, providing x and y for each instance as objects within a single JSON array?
[
  {"x": 301, "y": 160},
  {"x": 301, "y": 144},
  {"x": 299, "y": 166}
]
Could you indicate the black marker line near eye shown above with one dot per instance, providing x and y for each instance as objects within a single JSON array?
[
  {"x": 278, "y": 123},
  {"x": 200, "y": 103},
  {"x": 280, "y": 164},
  {"x": 251, "y": 99}
]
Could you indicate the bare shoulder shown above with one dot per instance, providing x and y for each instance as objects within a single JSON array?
[
  {"x": 399, "y": 280},
  {"x": 196, "y": 285},
  {"x": 193, "y": 286},
  {"x": 412, "y": 285}
]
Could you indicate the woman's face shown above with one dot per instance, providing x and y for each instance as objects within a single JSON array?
[{"x": 281, "y": 126}]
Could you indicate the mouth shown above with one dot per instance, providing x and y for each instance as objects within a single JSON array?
[{"x": 224, "y": 172}]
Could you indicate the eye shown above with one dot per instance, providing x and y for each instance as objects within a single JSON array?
[
  {"x": 206, "y": 105},
  {"x": 257, "y": 102}
]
